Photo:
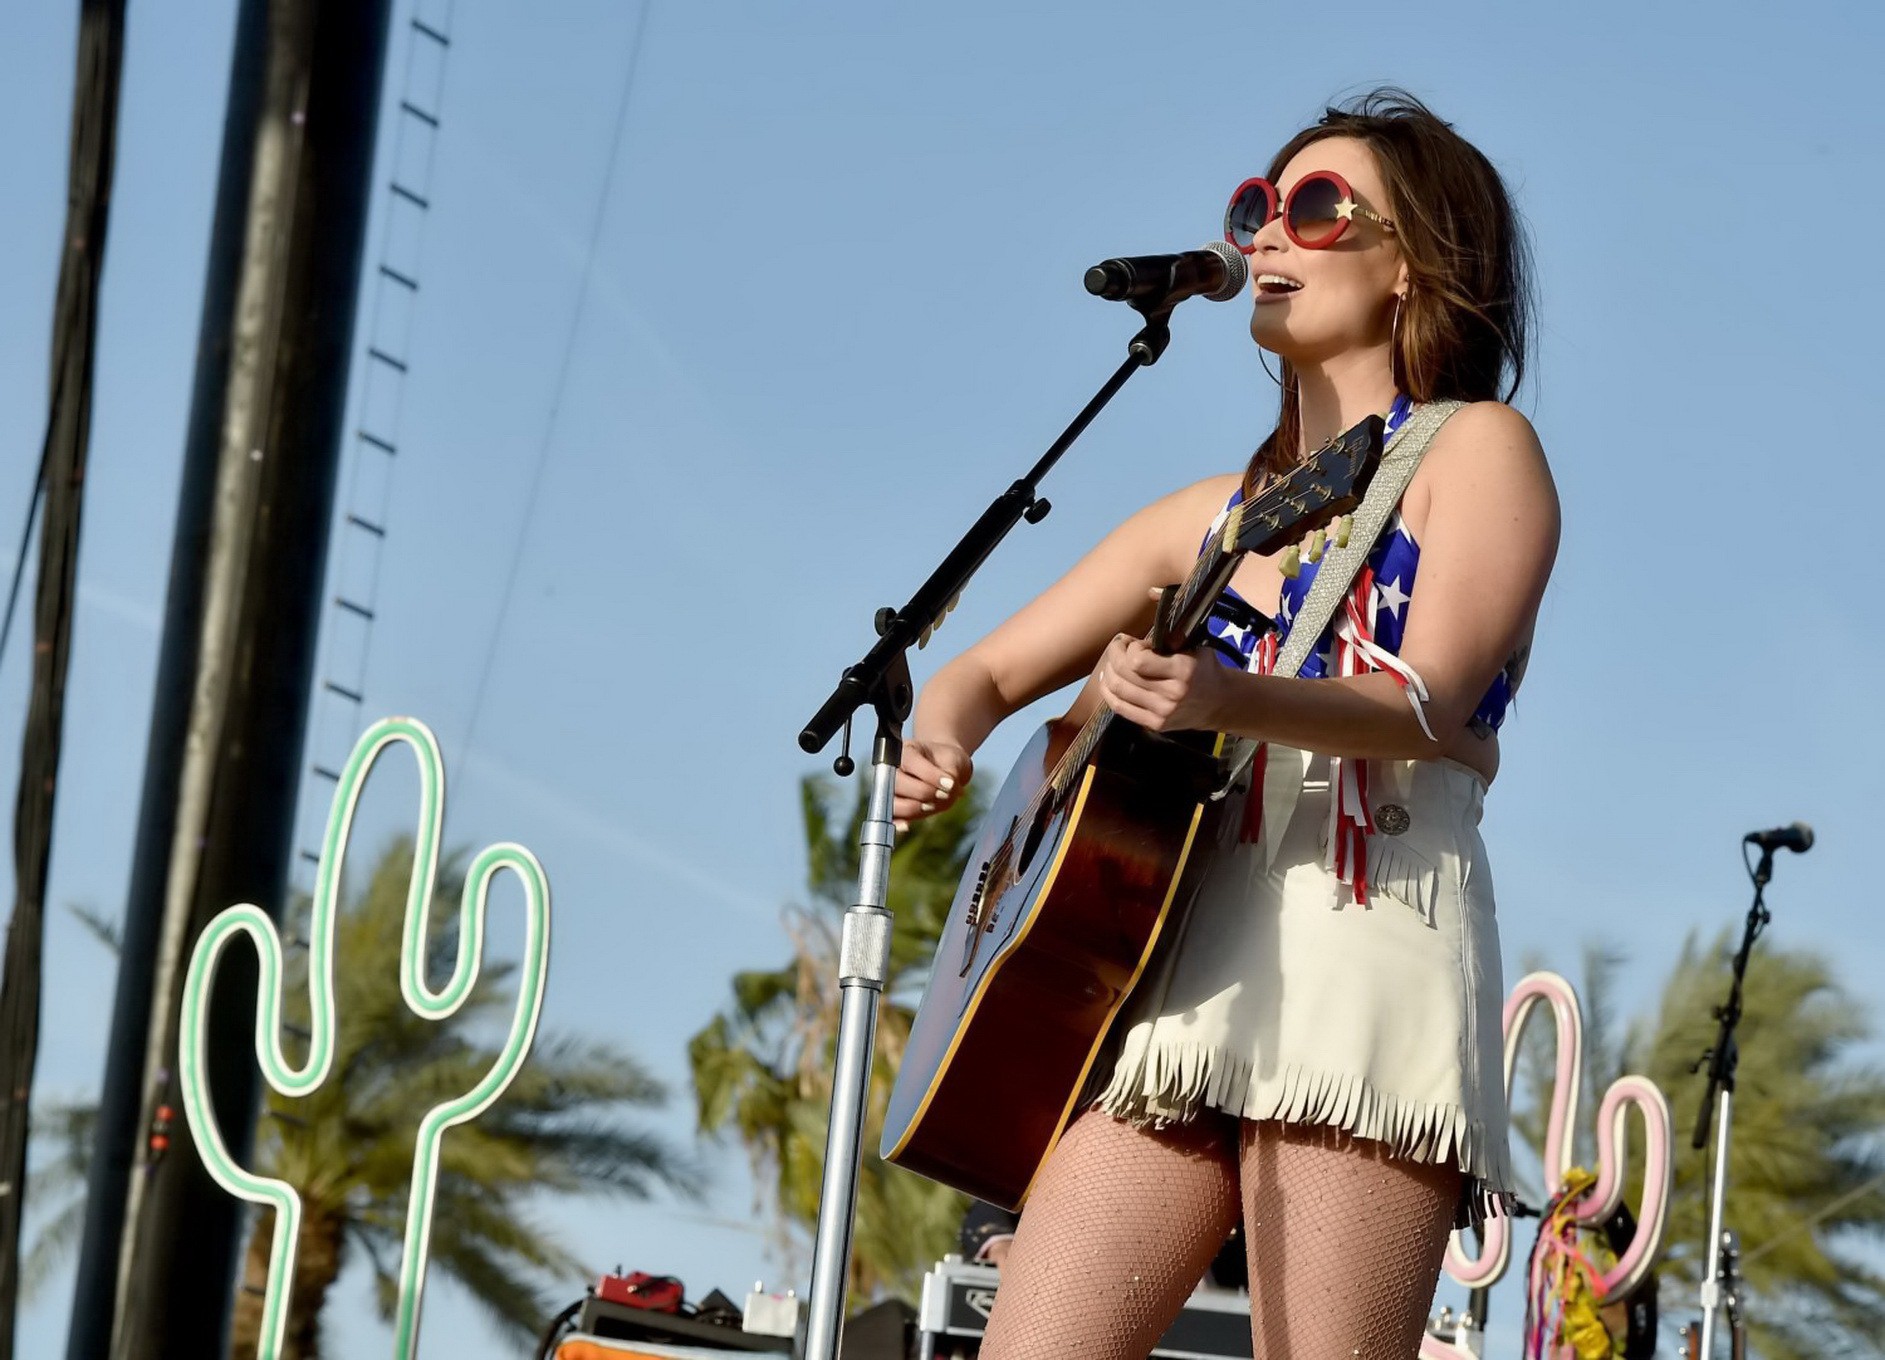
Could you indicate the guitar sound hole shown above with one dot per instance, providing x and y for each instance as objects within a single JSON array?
[{"x": 1037, "y": 831}]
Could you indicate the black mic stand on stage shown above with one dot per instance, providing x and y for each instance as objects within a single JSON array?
[
  {"x": 882, "y": 681},
  {"x": 1718, "y": 1286}
]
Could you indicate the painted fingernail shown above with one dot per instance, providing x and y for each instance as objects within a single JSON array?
[
  {"x": 945, "y": 783},
  {"x": 901, "y": 826},
  {"x": 926, "y": 807}
]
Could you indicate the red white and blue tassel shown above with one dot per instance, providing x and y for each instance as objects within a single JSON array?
[{"x": 1351, "y": 816}]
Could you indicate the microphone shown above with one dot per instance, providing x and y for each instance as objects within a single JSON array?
[
  {"x": 1217, "y": 272},
  {"x": 1797, "y": 838}
]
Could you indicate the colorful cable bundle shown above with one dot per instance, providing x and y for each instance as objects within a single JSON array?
[{"x": 1564, "y": 1287}]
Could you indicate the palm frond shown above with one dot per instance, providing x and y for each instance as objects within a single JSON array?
[
  {"x": 52, "y": 1244},
  {"x": 506, "y": 1296}
]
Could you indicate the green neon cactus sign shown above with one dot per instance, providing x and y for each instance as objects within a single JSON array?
[{"x": 437, "y": 1005}]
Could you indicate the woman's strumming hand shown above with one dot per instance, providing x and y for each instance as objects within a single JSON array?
[{"x": 1182, "y": 692}]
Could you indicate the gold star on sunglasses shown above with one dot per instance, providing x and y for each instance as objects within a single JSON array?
[{"x": 1348, "y": 209}]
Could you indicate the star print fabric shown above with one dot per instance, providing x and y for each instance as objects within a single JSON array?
[
  {"x": 1235, "y": 631},
  {"x": 1392, "y": 565}
]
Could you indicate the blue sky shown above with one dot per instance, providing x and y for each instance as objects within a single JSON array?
[{"x": 834, "y": 306}]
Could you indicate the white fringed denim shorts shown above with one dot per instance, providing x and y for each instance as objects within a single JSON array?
[{"x": 1279, "y": 997}]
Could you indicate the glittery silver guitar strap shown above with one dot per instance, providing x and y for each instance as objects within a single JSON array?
[{"x": 1405, "y": 448}]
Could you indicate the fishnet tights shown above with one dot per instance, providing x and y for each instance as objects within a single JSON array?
[
  {"x": 1115, "y": 1236},
  {"x": 1344, "y": 1244}
]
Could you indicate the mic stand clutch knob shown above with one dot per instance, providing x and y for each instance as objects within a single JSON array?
[{"x": 844, "y": 766}]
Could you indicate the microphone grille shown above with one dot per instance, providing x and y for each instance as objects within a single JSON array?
[
  {"x": 1236, "y": 271},
  {"x": 1805, "y": 833}
]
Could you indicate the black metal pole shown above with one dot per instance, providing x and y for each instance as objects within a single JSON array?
[
  {"x": 1717, "y": 1289},
  {"x": 62, "y": 482},
  {"x": 157, "y": 1267},
  {"x": 1725, "y": 1055}
]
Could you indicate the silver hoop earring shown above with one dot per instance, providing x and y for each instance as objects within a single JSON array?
[
  {"x": 1263, "y": 357},
  {"x": 1396, "y": 366}
]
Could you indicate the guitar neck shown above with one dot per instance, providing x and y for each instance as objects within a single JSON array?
[{"x": 1179, "y": 623}]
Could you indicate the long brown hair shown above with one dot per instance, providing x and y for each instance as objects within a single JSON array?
[{"x": 1462, "y": 332}]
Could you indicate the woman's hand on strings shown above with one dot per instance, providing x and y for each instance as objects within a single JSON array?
[
  {"x": 930, "y": 778},
  {"x": 1185, "y": 691}
]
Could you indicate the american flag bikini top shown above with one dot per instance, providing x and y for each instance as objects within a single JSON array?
[{"x": 1235, "y": 630}]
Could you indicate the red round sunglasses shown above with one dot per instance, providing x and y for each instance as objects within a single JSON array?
[{"x": 1316, "y": 213}]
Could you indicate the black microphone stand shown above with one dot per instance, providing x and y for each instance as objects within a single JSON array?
[
  {"x": 1721, "y": 1060},
  {"x": 882, "y": 681}
]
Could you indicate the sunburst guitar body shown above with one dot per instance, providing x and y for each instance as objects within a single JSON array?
[{"x": 1088, "y": 855}]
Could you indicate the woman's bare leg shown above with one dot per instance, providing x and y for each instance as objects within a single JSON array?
[
  {"x": 1116, "y": 1235},
  {"x": 1345, "y": 1244}
]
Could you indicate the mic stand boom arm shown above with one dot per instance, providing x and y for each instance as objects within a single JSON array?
[
  {"x": 882, "y": 680},
  {"x": 898, "y": 630}
]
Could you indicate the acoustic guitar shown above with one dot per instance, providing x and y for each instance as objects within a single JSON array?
[{"x": 1094, "y": 842}]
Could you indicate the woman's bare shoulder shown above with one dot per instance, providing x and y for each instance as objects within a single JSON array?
[
  {"x": 1482, "y": 429},
  {"x": 1486, "y": 448},
  {"x": 1486, "y": 460},
  {"x": 1486, "y": 454}
]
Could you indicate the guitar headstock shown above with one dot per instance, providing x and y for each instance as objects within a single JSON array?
[{"x": 1310, "y": 497}]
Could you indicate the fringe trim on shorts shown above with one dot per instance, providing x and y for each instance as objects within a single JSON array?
[
  {"x": 1395, "y": 871},
  {"x": 1168, "y": 1085}
]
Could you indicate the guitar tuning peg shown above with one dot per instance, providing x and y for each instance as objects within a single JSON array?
[
  {"x": 954, "y": 600},
  {"x": 1291, "y": 565},
  {"x": 1317, "y": 541},
  {"x": 1343, "y": 526},
  {"x": 922, "y": 638}
]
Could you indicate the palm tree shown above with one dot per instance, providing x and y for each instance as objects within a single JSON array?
[
  {"x": 762, "y": 1067},
  {"x": 65, "y": 1132},
  {"x": 1806, "y": 1174},
  {"x": 347, "y": 1148}
]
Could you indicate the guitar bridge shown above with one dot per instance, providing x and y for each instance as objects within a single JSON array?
[{"x": 975, "y": 898}]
